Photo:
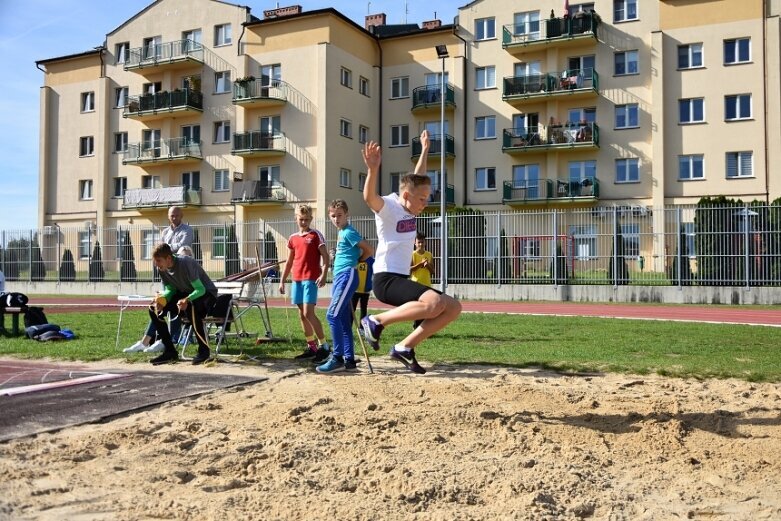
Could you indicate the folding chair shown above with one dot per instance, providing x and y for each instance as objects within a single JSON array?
[{"x": 220, "y": 315}]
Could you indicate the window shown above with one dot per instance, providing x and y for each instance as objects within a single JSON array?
[
  {"x": 400, "y": 87},
  {"x": 627, "y": 116},
  {"x": 737, "y": 51},
  {"x": 192, "y": 40},
  {"x": 737, "y": 107},
  {"x": 270, "y": 75},
  {"x": 150, "y": 142},
  {"x": 344, "y": 178},
  {"x": 527, "y": 177},
  {"x": 122, "y": 52},
  {"x": 151, "y": 181},
  {"x": 222, "y": 82},
  {"x": 585, "y": 241},
  {"x": 346, "y": 78},
  {"x": 85, "y": 189},
  {"x": 120, "y": 97},
  {"x": 485, "y": 127},
  {"x": 222, "y": 35},
  {"x": 624, "y": 10},
  {"x": 363, "y": 134},
  {"x": 691, "y": 167},
  {"x": 527, "y": 25},
  {"x": 345, "y": 128},
  {"x": 148, "y": 240},
  {"x": 151, "y": 88},
  {"x": 485, "y": 77},
  {"x": 739, "y": 164},
  {"x": 399, "y": 135},
  {"x": 84, "y": 245},
  {"x": 363, "y": 86},
  {"x": 626, "y": 63},
  {"x": 529, "y": 248},
  {"x": 580, "y": 170},
  {"x": 191, "y": 180},
  {"x": 485, "y": 29},
  {"x": 690, "y": 56},
  {"x": 269, "y": 175},
  {"x": 691, "y": 110},
  {"x": 87, "y": 101},
  {"x": 485, "y": 178},
  {"x": 361, "y": 181},
  {"x": 222, "y": 131},
  {"x": 120, "y": 142},
  {"x": 395, "y": 178},
  {"x": 221, "y": 180},
  {"x": 587, "y": 114},
  {"x": 688, "y": 231},
  {"x": 218, "y": 243},
  {"x": 631, "y": 235},
  {"x": 120, "y": 185},
  {"x": 86, "y": 146},
  {"x": 153, "y": 48},
  {"x": 627, "y": 170},
  {"x": 191, "y": 134}
]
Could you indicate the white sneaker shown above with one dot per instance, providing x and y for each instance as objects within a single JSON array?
[
  {"x": 155, "y": 348},
  {"x": 135, "y": 348}
]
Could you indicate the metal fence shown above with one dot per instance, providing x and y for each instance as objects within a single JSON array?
[{"x": 736, "y": 245}]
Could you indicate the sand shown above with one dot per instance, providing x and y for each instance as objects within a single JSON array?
[{"x": 458, "y": 443}]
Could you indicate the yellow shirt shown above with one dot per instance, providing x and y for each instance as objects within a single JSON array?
[{"x": 421, "y": 275}]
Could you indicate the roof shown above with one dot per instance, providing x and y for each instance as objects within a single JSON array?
[
  {"x": 95, "y": 51},
  {"x": 304, "y": 14}
]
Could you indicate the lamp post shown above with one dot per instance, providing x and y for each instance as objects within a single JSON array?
[{"x": 442, "y": 54}]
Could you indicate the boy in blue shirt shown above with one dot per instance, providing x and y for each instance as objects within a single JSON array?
[{"x": 350, "y": 248}]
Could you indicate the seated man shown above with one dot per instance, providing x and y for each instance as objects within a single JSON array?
[{"x": 187, "y": 290}]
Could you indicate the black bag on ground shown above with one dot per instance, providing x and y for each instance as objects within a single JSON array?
[
  {"x": 13, "y": 300},
  {"x": 33, "y": 332},
  {"x": 34, "y": 316}
]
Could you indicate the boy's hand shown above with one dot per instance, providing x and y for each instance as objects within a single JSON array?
[
  {"x": 372, "y": 155},
  {"x": 321, "y": 280},
  {"x": 282, "y": 287},
  {"x": 425, "y": 142}
]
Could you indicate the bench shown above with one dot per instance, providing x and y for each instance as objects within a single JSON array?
[{"x": 14, "y": 312}]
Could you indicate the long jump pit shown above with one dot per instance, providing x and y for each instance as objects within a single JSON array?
[{"x": 38, "y": 397}]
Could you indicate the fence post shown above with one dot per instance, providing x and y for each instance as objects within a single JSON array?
[
  {"x": 30, "y": 257},
  {"x": 614, "y": 260},
  {"x": 555, "y": 259},
  {"x": 679, "y": 244},
  {"x": 498, "y": 257},
  {"x": 225, "y": 249},
  {"x": 59, "y": 257},
  {"x": 746, "y": 257}
]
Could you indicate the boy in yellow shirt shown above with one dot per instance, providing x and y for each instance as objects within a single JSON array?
[{"x": 422, "y": 266}]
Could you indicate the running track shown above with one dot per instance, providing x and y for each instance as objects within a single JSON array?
[{"x": 685, "y": 313}]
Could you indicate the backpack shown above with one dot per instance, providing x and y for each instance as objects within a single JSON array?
[
  {"x": 34, "y": 316},
  {"x": 33, "y": 332},
  {"x": 13, "y": 300}
]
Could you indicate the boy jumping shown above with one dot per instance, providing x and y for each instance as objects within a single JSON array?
[{"x": 396, "y": 231}]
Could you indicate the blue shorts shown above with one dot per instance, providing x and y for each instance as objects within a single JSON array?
[{"x": 303, "y": 292}]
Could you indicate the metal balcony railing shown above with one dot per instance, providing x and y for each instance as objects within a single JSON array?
[
  {"x": 431, "y": 96},
  {"x": 167, "y": 52},
  {"x": 257, "y": 191},
  {"x": 176, "y": 100},
  {"x": 435, "y": 198},
  {"x": 567, "y": 135},
  {"x": 551, "y": 84},
  {"x": 581, "y": 25},
  {"x": 162, "y": 150},
  {"x": 541, "y": 190},
  {"x": 258, "y": 141},
  {"x": 436, "y": 145},
  {"x": 259, "y": 89},
  {"x": 160, "y": 197}
]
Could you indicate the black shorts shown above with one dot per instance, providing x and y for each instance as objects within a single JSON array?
[{"x": 395, "y": 289}]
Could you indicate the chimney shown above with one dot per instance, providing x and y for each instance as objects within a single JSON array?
[
  {"x": 432, "y": 24},
  {"x": 374, "y": 20}
]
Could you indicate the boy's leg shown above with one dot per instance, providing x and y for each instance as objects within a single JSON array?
[
  {"x": 161, "y": 328},
  {"x": 197, "y": 310},
  {"x": 339, "y": 316}
]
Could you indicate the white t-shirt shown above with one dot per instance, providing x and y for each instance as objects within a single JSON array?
[{"x": 396, "y": 231}]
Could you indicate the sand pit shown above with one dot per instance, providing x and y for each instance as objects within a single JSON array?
[{"x": 458, "y": 443}]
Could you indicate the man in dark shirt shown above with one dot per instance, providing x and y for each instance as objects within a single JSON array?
[{"x": 188, "y": 291}]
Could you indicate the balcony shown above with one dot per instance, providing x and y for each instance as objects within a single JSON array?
[
  {"x": 258, "y": 143},
  {"x": 523, "y": 193},
  {"x": 259, "y": 92},
  {"x": 435, "y": 201},
  {"x": 558, "y": 138},
  {"x": 435, "y": 150},
  {"x": 566, "y": 31},
  {"x": 249, "y": 192},
  {"x": 430, "y": 98},
  {"x": 139, "y": 198},
  {"x": 173, "y": 55},
  {"x": 180, "y": 150},
  {"x": 148, "y": 107},
  {"x": 571, "y": 83}
]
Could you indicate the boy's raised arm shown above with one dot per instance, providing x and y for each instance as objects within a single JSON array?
[
  {"x": 372, "y": 156},
  {"x": 425, "y": 144}
]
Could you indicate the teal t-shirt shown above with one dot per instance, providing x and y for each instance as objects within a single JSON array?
[{"x": 347, "y": 250}]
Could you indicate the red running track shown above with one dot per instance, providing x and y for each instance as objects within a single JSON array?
[{"x": 678, "y": 312}]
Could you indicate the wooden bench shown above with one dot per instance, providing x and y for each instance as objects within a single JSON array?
[{"x": 14, "y": 312}]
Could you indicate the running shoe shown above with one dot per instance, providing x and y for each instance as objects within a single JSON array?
[
  {"x": 135, "y": 348},
  {"x": 309, "y": 352},
  {"x": 321, "y": 354},
  {"x": 155, "y": 348},
  {"x": 334, "y": 364},
  {"x": 371, "y": 332},
  {"x": 349, "y": 364},
  {"x": 168, "y": 357},
  {"x": 408, "y": 359}
]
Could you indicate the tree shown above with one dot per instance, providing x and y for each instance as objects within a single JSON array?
[
  {"x": 10, "y": 264},
  {"x": 232, "y": 260},
  {"x": 37, "y": 266},
  {"x": 96, "y": 271},
  {"x": 717, "y": 234},
  {"x": 67, "y": 267},
  {"x": 127, "y": 270},
  {"x": 617, "y": 270},
  {"x": 197, "y": 250},
  {"x": 505, "y": 273}
]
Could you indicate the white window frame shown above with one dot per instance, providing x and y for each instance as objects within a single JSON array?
[
  {"x": 191, "y": 180},
  {"x": 361, "y": 181},
  {"x": 87, "y": 102},
  {"x": 485, "y": 29},
  {"x": 120, "y": 97},
  {"x": 363, "y": 134},
  {"x": 691, "y": 167},
  {"x": 219, "y": 242},
  {"x": 121, "y": 52},
  {"x": 120, "y": 142},
  {"x": 345, "y": 178},
  {"x": 222, "y": 132},
  {"x": 622, "y": 11},
  {"x": 399, "y": 87},
  {"x": 86, "y": 190},
  {"x": 152, "y": 48},
  {"x": 398, "y": 137},
  {"x": 744, "y": 164},
  {"x": 627, "y": 59},
  {"x": 222, "y": 80},
  {"x": 223, "y": 35},
  {"x": 85, "y": 243},
  {"x": 625, "y": 113},
  {"x": 86, "y": 146},
  {"x": 149, "y": 239},
  {"x": 485, "y": 77},
  {"x": 151, "y": 181},
  {"x": 630, "y": 233},
  {"x": 120, "y": 186},
  {"x": 485, "y": 179},
  {"x": 221, "y": 180},
  {"x": 363, "y": 86},
  {"x": 584, "y": 241},
  {"x": 690, "y": 104},
  {"x": 736, "y": 51},
  {"x": 530, "y": 22},
  {"x": 346, "y": 77},
  {"x": 485, "y": 127},
  {"x": 736, "y": 100},
  {"x": 270, "y": 175},
  {"x": 693, "y": 50},
  {"x": 627, "y": 170},
  {"x": 345, "y": 128}
]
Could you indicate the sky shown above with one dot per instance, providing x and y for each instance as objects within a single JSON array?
[{"x": 33, "y": 30}]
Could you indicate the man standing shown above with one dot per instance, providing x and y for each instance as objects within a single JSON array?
[
  {"x": 178, "y": 234},
  {"x": 188, "y": 291}
]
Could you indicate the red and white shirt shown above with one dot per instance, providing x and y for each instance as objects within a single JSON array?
[{"x": 306, "y": 260}]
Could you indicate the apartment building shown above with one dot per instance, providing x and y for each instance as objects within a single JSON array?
[{"x": 636, "y": 103}]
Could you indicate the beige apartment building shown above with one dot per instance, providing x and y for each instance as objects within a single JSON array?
[{"x": 240, "y": 116}]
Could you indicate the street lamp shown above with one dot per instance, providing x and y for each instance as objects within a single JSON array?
[{"x": 442, "y": 54}]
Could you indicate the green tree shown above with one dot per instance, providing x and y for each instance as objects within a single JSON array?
[
  {"x": 96, "y": 271},
  {"x": 681, "y": 256},
  {"x": 67, "y": 267},
  {"x": 127, "y": 270},
  {"x": 37, "y": 266},
  {"x": 717, "y": 236},
  {"x": 617, "y": 270},
  {"x": 232, "y": 259}
]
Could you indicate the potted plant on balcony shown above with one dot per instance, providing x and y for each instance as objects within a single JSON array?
[{"x": 243, "y": 86}]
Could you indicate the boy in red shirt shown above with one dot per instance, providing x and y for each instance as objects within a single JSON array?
[{"x": 305, "y": 249}]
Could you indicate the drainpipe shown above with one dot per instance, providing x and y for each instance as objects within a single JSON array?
[
  {"x": 764, "y": 100},
  {"x": 466, "y": 112},
  {"x": 379, "y": 123}
]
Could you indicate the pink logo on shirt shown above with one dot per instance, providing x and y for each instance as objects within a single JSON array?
[{"x": 406, "y": 226}]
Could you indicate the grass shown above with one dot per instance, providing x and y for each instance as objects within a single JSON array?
[{"x": 577, "y": 344}]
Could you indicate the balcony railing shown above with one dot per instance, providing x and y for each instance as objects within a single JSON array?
[
  {"x": 256, "y": 191},
  {"x": 431, "y": 96},
  {"x": 568, "y": 135},
  {"x": 582, "y": 25},
  {"x": 160, "y": 197},
  {"x": 258, "y": 142},
  {"x": 435, "y": 199},
  {"x": 561, "y": 83},
  {"x": 436, "y": 146},
  {"x": 174, "y": 101},
  {"x": 254, "y": 90},
  {"x": 545, "y": 189},
  {"x": 177, "y": 51},
  {"x": 180, "y": 148}
]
